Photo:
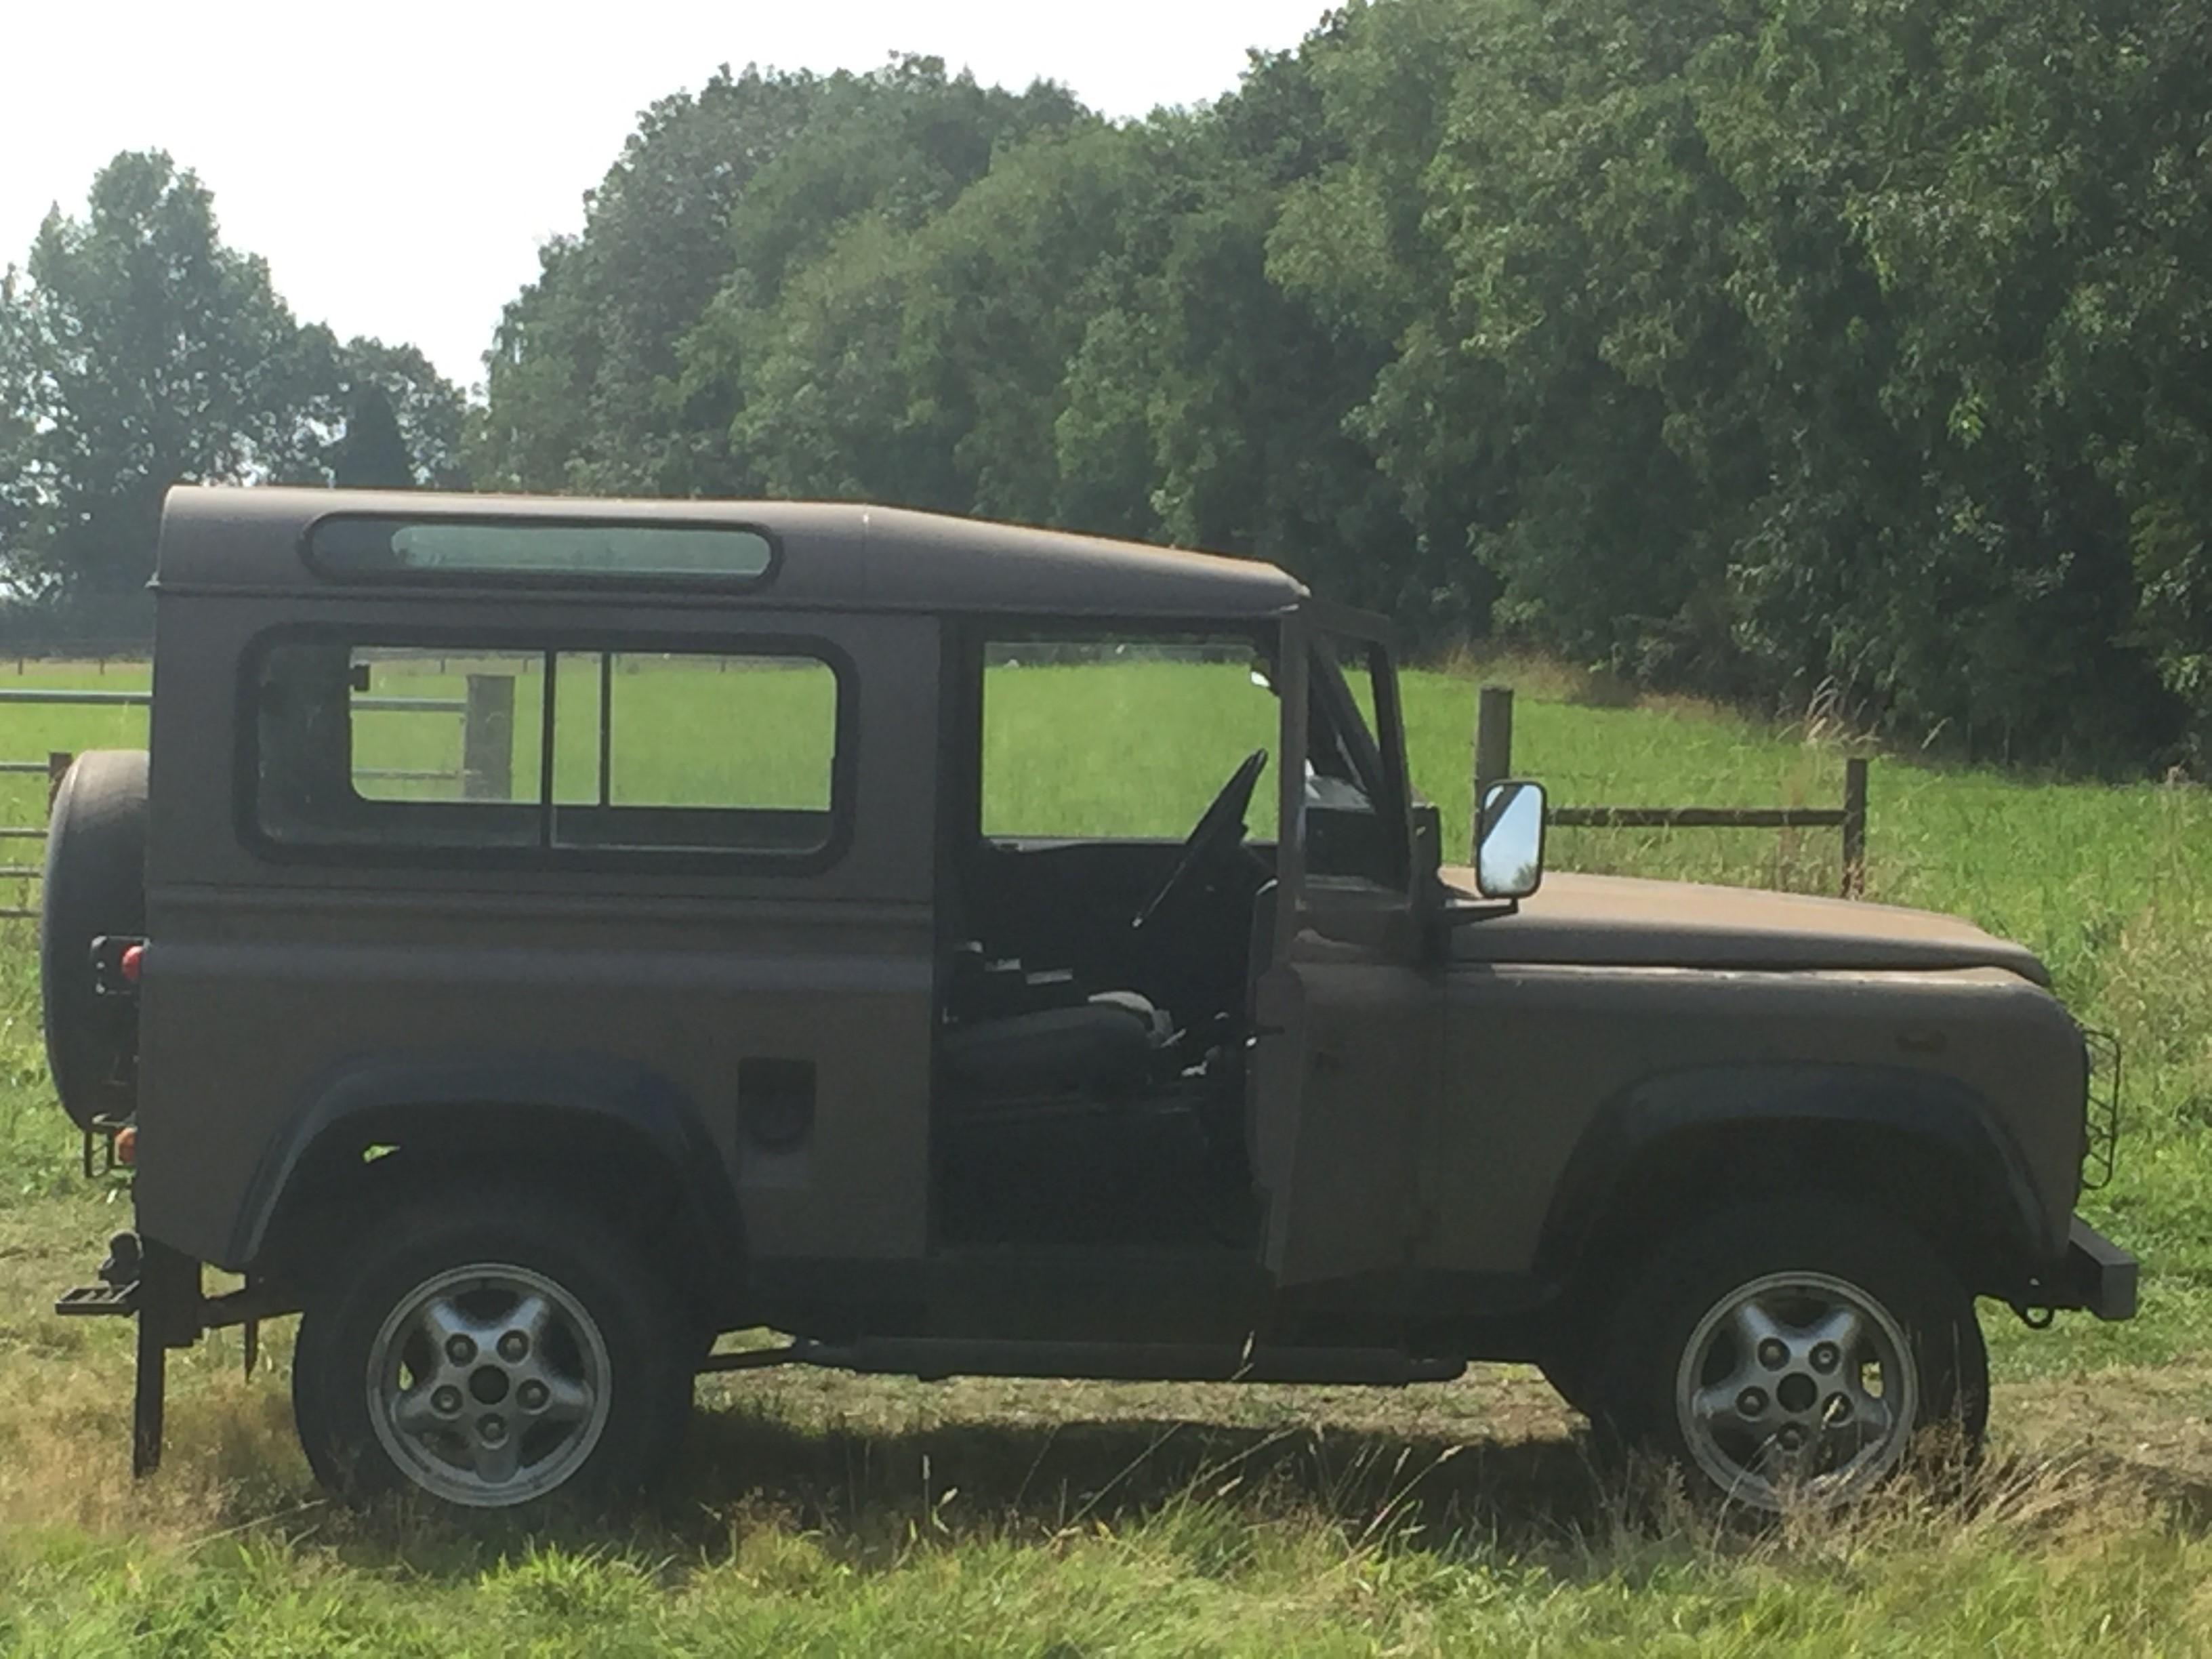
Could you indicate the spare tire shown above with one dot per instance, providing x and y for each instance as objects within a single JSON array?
[{"x": 95, "y": 885}]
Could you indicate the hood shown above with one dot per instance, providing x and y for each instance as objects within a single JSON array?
[{"x": 1622, "y": 921}]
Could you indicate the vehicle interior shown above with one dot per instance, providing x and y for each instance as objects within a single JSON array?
[{"x": 1108, "y": 902}]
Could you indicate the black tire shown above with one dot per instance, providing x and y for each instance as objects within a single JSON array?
[
  {"x": 488, "y": 1247},
  {"x": 94, "y": 884},
  {"x": 1682, "y": 1374}
]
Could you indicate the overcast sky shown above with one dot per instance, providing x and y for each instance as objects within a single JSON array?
[{"x": 399, "y": 162}]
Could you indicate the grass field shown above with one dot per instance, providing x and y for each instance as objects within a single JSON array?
[{"x": 824, "y": 1514}]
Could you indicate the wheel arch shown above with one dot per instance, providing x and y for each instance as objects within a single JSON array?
[
  {"x": 1921, "y": 1145},
  {"x": 611, "y": 1133}
]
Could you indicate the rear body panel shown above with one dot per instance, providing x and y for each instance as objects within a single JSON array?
[{"x": 270, "y": 978}]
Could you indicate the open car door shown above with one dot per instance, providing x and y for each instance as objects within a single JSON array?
[{"x": 1344, "y": 1078}]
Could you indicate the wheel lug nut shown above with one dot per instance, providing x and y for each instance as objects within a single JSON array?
[
  {"x": 447, "y": 1401},
  {"x": 1825, "y": 1357},
  {"x": 513, "y": 1346},
  {"x": 1792, "y": 1438},
  {"x": 533, "y": 1396},
  {"x": 1751, "y": 1403},
  {"x": 1772, "y": 1354},
  {"x": 494, "y": 1429},
  {"x": 460, "y": 1350},
  {"x": 1839, "y": 1408}
]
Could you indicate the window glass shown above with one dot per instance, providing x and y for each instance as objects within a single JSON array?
[
  {"x": 1096, "y": 738},
  {"x": 1347, "y": 834},
  {"x": 371, "y": 547},
  {"x": 689, "y": 735},
  {"x": 359, "y": 745},
  {"x": 428, "y": 726}
]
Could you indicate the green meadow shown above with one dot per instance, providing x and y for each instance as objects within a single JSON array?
[{"x": 822, "y": 1514}]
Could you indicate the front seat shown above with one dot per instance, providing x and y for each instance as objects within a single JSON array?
[{"x": 1106, "y": 1047}]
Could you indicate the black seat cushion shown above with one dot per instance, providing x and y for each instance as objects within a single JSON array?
[{"x": 1103, "y": 1046}]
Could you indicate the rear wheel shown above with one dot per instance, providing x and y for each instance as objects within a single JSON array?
[
  {"x": 490, "y": 1354},
  {"x": 1792, "y": 1354}
]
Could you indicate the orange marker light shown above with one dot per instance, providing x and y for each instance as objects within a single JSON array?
[{"x": 126, "y": 1144}]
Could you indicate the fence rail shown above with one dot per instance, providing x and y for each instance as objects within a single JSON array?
[
  {"x": 86, "y": 699},
  {"x": 1494, "y": 763}
]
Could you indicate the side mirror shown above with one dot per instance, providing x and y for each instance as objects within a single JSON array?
[{"x": 1508, "y": 855}]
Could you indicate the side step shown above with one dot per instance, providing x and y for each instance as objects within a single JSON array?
[
  {"x": 89, "y": 1301},
  {"x": 935, "y": 1358}
]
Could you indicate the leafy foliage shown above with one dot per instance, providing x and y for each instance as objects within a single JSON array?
[{"x": 1732, "y": 345}]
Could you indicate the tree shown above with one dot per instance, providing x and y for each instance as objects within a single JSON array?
[
  {"x": 17, "y": 430},
  {"x": 818, "y": 242},
  {"x": 137, "y": 350},
  {"x": 145, "y": 352}
]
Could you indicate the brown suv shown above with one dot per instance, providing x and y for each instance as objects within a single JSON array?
[{"x": 556, "y": 932}]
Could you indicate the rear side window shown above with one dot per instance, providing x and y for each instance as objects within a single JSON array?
[
  {"x": 360, "y": 745},
  {"x": 366, "y": 549}
]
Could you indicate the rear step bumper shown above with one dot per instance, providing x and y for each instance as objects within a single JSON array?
[
  {"x": 89, "y": 1300},
  {"x": 161, "y": 1287}
]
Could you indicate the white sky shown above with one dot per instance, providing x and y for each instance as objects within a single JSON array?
[{"x": 399, "y": 162}]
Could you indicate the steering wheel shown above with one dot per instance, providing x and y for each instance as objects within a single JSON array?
[{"x": 1219, "y": 828}]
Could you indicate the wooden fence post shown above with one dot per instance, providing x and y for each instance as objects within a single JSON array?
[
  {"x": 1493, "y": 752},
  {"x": 488, "y": 739},
  {"x": 1855, "y": 828},
  {"x": 58, "y": 766}
]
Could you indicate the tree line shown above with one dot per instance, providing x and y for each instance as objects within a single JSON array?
[{"x": 1749, "y": 348}]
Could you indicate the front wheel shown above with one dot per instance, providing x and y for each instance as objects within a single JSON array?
[
  {"x": 1791, "y": 1355},
  {"x": 488, "y": 1354}
]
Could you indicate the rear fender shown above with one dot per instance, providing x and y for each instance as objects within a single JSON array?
[{"x": 526, "y": 1103}]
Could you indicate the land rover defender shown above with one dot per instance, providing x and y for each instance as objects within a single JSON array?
[{"x": 545, "y": 935}]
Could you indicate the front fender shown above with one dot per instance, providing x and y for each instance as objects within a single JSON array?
[{"x": 1921, "y": 1130}]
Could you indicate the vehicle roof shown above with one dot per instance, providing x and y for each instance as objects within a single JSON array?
[{"x": 242, "y": 539}]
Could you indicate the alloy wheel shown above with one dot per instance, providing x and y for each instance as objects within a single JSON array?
[
  {"x": 1797, "y": 1388},
  {"x": 488, "y": 1385}
]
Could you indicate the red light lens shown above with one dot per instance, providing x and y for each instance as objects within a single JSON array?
[{"x": 128, "y": 964}]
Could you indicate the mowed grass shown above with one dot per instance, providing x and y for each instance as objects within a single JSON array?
[{"x": 823, "y": 1514}]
